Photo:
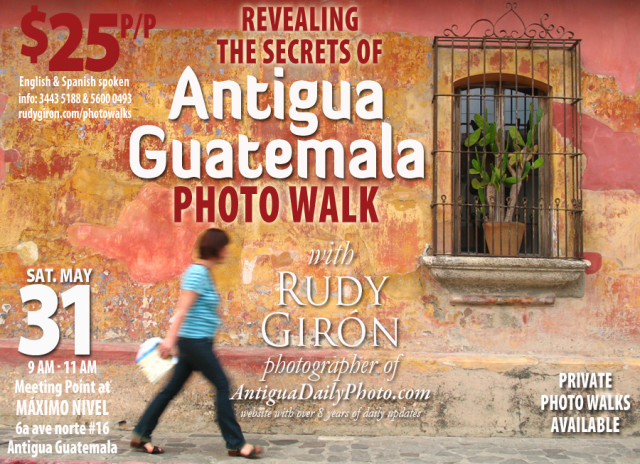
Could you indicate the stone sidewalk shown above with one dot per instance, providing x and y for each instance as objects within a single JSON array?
[{"x": 198, "y": 448}]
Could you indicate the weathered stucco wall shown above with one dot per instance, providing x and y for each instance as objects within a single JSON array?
[{"x": 69, "y": 199}]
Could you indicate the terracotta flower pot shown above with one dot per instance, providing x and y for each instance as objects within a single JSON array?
[{"x": 503, "y": 238}]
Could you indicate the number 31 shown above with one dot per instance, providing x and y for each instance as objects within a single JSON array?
[{"x": 80, "y": 295}]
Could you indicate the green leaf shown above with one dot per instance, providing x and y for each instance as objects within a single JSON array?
[
  {"x": 479, "y": 120},
  {"x": 476, "y": 164},
  {"x": 539, "y": 114},
  {"x": 495, "y": 177},
  {"x": 510, "y": 180},
  {"x": 474, "y": 171},
  {"x": 475, "y": 183},
  {"x": 491, "y": 133},
  {"x": 481, "y": 198},
  {"x": 537, "y": 163},
  {"x": 516, "y": 136},
  {"x": 495, "y": 180},
  {"x": 473, "y": 138}
]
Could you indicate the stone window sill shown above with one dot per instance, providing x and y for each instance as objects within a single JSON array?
[{"x": 491, "y": 280}]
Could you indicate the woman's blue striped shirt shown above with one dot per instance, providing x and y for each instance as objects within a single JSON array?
[{"x": 201, "y": 320}]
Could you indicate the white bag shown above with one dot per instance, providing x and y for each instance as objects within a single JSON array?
[{"x": 149, "y": 361}]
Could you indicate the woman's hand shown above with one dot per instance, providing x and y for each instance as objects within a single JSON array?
[{"x": 165, "y": 348}]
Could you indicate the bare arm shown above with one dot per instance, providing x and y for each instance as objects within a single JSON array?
[{"x": 186, "y": 300}]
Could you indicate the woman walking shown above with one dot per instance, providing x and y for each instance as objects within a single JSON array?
[{"x": 192, "y": 329}]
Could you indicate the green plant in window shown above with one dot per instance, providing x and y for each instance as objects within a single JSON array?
[{"x": 501, "y": 164}]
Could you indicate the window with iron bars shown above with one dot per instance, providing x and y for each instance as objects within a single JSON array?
[
  {"x": 505, "y": 106},
  {"x": 507, "y": 158}
]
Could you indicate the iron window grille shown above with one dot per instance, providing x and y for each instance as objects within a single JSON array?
[{"x": 505, "y": 77}]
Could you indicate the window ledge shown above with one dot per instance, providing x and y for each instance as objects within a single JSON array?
[{"x": 506, "y": 277}]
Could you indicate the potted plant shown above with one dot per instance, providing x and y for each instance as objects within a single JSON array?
[{"x": 502, "y": 162}]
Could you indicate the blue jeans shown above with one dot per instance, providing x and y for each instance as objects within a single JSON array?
[{"x": 196, "y": 354}]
